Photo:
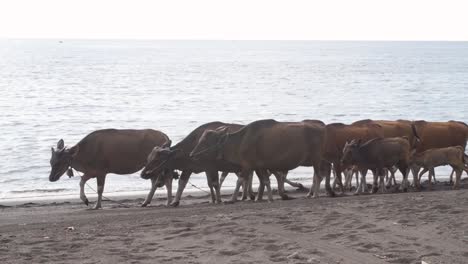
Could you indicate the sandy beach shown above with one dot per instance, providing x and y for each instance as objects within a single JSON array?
[{"x": 411, "y": 227}]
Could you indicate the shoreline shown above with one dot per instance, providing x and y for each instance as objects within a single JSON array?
[{"x": 407, "y": 227}]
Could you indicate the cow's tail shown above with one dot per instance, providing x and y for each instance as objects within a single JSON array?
[{"x": 415, "y": 134}]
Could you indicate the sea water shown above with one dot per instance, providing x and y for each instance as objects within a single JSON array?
[{"x": 53, "y": 89}]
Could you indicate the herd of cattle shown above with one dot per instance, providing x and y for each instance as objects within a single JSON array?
[{"x": 268, "y": 147}]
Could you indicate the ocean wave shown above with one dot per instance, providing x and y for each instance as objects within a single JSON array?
[{"x": 42, "y": 190}]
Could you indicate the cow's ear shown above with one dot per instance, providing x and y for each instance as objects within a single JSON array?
[
  {"x": 60, "y": 144},
  {"x": 167, "y": 144},
  {"x": 74, "y": 151}
]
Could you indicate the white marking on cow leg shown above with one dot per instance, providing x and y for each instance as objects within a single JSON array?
[
  {"x": 457, "y": 179},
  {"x": 210, "y": 185},
  {"x": 101, "y": 180},
  {"x": 334, "y": 177},
  {"x": 268, "y": 186},
  {"x": 314, "y": 182},
  {"x": 382, "y": 184},
  {"x": 251, "y": 192},
  {"x": 181, "y": 186},
  {"x": 169, "y": 190},
  {"x": 261, "y": 188},
  {"x": 150, "y": 195},
  {"x": 83, "y": 181},
  {"x": 364, "y": 183}
]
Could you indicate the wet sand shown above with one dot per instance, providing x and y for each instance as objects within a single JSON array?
[{"x": 382, "y": 228}]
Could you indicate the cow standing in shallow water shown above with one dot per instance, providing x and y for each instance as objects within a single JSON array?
[{"x": 110, "y": 151}]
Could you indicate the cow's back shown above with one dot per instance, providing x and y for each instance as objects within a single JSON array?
[
  {"x": 120, "y": 151},
  {"x": 337, "y": 134},
  {"x": 440, "y": 134},
  {"x": 282, "y": 145}
]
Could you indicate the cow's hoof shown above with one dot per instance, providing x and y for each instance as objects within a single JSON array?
[
  {"x": 285, "y": 197},
  {"x": 174, "y": 204},
  {"x": 144, "y": 204},
  {"x": 86, "y": 202}
]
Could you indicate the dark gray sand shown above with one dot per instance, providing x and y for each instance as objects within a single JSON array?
[{"x": 383, "y": 228}]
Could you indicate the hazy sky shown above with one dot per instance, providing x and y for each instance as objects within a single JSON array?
[{"x": 236, "y": 19}]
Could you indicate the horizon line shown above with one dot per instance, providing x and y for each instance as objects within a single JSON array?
[{"x": 214, "y": 39}]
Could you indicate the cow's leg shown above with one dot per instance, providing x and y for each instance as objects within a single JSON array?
[
  {"x": 393, "y": 171},
  {"x": 421, "y": 173},
  {"x": 251, "y": 192},
  {"x": 224, "y": 174},
  {"x": 261, "y": 185},
  {"x": 183, "y": 179},
  {"x": 247, "y": 188},
  {"x": 210, "y": 179},
  {"x": 83, "y": 181},
  {"x": 359, "y": 187},
  {"x": 297, "y": 185},
  {"x": 101, "y": 180},
  {"x": 374, "y": 183},
  {"x": 266, "y": 181},
  {"x": 356, "y": 173},
  {"x": 240, "y": 181},
  {"x": 364, "y": 182},
  {"x": 168, "y": 183},
  {"x": 457, "y": 178},
  {"x": 338, "y": 171},
  {"x": 405, "y": 170},
  {"x": 431, "y": 174},
  {"x": 382, "y": 181},
  {"x": 150, "y": 195},
  {"x": 451, "y": 176},
  {"x": 325, "y": 168},
  {"x": 334, "y": 177},
  {"x": 280, "y": 179},
  {"x": 415, "y": 171},
  {"x": 236, "y": 190}
]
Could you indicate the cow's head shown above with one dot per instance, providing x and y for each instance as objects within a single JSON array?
[
  {"x": 61, "y": 160},
  {"x": 350, "y": 151},
  {"x": 210, "y": 144},
  {"x": 158, "y": 161}
]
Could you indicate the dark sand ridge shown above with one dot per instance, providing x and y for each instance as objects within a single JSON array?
[{"x": 389, "y": 228}]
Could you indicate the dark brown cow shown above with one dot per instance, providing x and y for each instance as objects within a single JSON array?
[
  {"x": 337, "y": 136},
  {"x": 177, "y": 158},
  {"x": 267, "y": 145},
  {"x": 107, "y": 151},
  {"x": 437, "y": 135},
  {"x": 398, "y": 128},
  {"x": 378, "y": 154}
]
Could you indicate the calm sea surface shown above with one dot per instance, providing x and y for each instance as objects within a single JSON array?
[{"x": 51, "y": 89}]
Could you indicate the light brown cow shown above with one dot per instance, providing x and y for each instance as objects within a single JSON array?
[
  {"x": 106, "y": 151},
  {"x": 267, "y": 145},
  {"x": 431, "y": 158},
  {"x": 437, "y": 135}
]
